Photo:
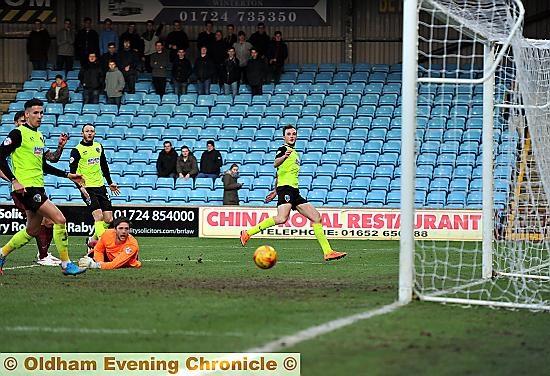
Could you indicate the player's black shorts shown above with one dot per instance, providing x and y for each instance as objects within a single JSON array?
[
  {"x": 289, "y": 195},
  {"x": 32, "y": 199},
  {"x": 99, "y": 199}
]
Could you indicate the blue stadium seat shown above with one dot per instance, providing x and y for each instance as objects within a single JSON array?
[
  {"x": 436, "y": 199},
  {"x": 375, "y": 197},
  {"x": 147, "y": 109},
  {"x": 342, "y": 182},
  {"x": 67, "y": 119},
  {"x": 457, "y": 198},
  {"x": 318, "y": 196},
  {"x": 162, "y": 121},
  {"x": 357, "y": 196},
  {"x": 335, "y": 145},
  {"x": 336, "y": 197},
  {"x": 111, "y": 109},
  {"x": 135, "y": 132},
  {"x": 164, "y": 183},
  {"x": 165, "y": 109}
]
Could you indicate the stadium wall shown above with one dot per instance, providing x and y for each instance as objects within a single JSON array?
[{"x": 373, "y": 36}]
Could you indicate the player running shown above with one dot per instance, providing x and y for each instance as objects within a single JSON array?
[
  {"x": 287, "y": 164},
  {"x": 115, "y": 249},
  {"x": 45, "y": 236},
  {"x": 25, "y": 146},
  {"x": 88, "y": 159}
]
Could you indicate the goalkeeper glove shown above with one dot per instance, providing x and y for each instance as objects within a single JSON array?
[{"x": 88, "y": 262}]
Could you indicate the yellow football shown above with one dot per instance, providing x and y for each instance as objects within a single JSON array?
[{"x": 265, "y": 257}]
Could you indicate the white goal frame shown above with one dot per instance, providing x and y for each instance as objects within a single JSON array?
[{"x": 411, "y": 80}]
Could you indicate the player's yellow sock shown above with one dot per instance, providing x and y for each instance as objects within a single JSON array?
[
  {"x": 266, "y": 223},
  {"x": 321, "y": 238},
  {"x": 99, "y": 227},
  {"x": 61, "y": 240},
  {"x": 18, "y": 240}
]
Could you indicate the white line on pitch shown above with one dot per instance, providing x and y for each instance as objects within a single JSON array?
[
  {"x": 315, "y": 331},
  {"x": 231, "y": 262},
  {"x": 21, "y": 267},
  {"x": 120, "y": 331}
]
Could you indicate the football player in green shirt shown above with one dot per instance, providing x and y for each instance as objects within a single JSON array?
[
  {"x": 88, "y": 159},
  {"x": 25, "y": 146},
  {"x": 287, "y": 163}
]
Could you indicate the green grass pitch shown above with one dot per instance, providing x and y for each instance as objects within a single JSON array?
[{"x": 206, "y": 295}]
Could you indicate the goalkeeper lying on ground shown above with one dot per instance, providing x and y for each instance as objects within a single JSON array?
[{"x": 115, "y": 249}]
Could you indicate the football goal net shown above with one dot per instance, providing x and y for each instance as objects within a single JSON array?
[{"x": 476, "y": 124}]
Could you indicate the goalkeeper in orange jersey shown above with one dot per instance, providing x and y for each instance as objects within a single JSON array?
[{"x": 115, "y": 249}]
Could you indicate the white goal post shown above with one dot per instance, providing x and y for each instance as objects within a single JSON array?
[{"x": 476, "y": 130}]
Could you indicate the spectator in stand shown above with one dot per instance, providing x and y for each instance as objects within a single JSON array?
[
  {"x": 242, "y": 51},
  {"x": 204, "y": 71},
  {"x": 58, "y": 92},
  {"x": 206, "y": 37},
  {"x": 86, "y": 42},
  {"x": 181, "y": 70},
  {"x": 187, "y": 166},
  {"x": 128, "y": 61},
  {"x": 65, "y": 47},
  {"x": 260, "y": 40},
  {"x": 159, "y": 64},
  {"x": 108, "y": 35},
  {"x": 132, "y": 35},
  {"x": 230, "y": 186},
  {"x": 166, "y": 162},
  {"x": 256, "y": 72},
  {"x": 92, "y": 80},
  {"x": 277, "y": 53},
  {"x": 211, "y": 162},
  {"x": 111, "y": 54},
  {"x": 149, "y": 38},
  {"x": 218, "y": 53},
  {"x": 176, "y": 40},
  {"x": 38, "y": 44},
  {"x": 231, "y": 73},
  {"x": 230, "y": 36},
  {"x": 114, "y": 84}
]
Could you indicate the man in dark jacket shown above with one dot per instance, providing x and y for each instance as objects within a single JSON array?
[
  {"x": 260, "y": 40},
  {"x": 204, "y": 71},
  {"x": 38, "y": 44},
  {"x": 176, "y": 40},
  {"x": 231, "y": 73},
  {"x": 211, "y": 162},
  {"x": 131, "y": 34},
  {"x": 277, "y": 53},
  {"x": 86, "y": 42},
  {"x": 92, "y": 80},
  {"x": 230, "y": 186},
  {"x": 256, "y": 72},
  {"x": 111, "y": 54},
  {"x": 128, "y": 63},
  {"x": 187, "y": 166},
  {"x": 166, "y": 162},
  {"x": 218, "y": 53},
  {"x": 181, "y": 70}
]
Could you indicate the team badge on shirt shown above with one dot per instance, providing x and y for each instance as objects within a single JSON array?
[
  {"x": 37, "y": 198},
  {"x": 287, "y": 198},
  {"x": 128, "y": 250}
]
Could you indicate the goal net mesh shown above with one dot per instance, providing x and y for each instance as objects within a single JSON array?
[{"x": 453, "y": 39}]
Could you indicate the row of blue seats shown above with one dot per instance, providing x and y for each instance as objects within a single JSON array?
[
  {"x": 320, "y": 196},
  {"x": 294, "y": 68}
]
